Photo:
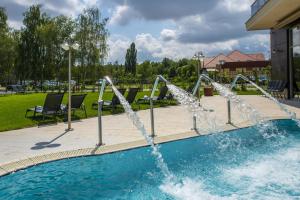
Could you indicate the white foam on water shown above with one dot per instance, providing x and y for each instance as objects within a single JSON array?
[
  {"x": 265, "y": 127},
  {"x": 188, "y": 190},
  {"x": 140, "y": 126},
  {"x": 269, "y": 176}
]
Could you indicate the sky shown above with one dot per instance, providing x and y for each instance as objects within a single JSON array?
[{"x": 162, "y": 28}]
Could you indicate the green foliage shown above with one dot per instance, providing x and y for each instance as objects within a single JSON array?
[
  {"x": 7, "y": 49},
  {"x": 35, "y": 53},
  {"x": 144, "y": 70},
  {"x": 13, "y": 107},
  {"x": 130, "y": 59},
  {"x": 91, "y": 35}
]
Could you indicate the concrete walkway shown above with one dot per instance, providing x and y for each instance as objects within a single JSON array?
[{"x": 118, "y": 129}]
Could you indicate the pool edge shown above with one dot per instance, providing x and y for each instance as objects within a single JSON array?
[{"x": 14, "y": 166}]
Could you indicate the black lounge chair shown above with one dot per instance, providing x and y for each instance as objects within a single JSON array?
[
  {"x": 161, "y": 96},
  {"x": 111, "y": 104},
  {"x": 296, "y": 90},
  {"x": 279, "y": 90},
  {"x": 76, "y": 103},
  {"x": 131, "y": 95},
  {"x": 271, "y": 86},
  {"x": 51, "y": 105}
]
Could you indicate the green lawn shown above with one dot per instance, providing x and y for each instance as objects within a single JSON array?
[{"x": 13, "y": 107}]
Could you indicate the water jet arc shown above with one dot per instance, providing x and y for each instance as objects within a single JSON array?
[
  {"x": 292, "y": 115},
  {"x": 198, "y": 85}
]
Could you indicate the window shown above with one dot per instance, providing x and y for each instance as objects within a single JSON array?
[{"x": 296, "y": 54}]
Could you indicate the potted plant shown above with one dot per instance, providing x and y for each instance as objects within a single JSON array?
[{"x": 208, "y": 91}]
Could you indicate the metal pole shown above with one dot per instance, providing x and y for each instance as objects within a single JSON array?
[
  {"x": 70, "y": 93},
  {"x": 152, "y": 118},
  {"x": 42, "y": 78},
  {"x": 199, "y": 65},
  {"x": 100, "y": 103},
  {"x": 194, "y": 122},
  {"x": 229, "y": 111}
]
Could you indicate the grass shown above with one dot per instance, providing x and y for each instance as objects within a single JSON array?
[{"x": 13, "y": 107}]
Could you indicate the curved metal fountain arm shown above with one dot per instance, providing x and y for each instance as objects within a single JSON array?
[
  {"x": 198, "y": 84},
  {"x": 158, "y": 78},
  {"x": 233, "y": 84},
  {"x": 237, "y": 77},
  {"x": 240, "y": 76},
  {"x": 102, "y": 89}
]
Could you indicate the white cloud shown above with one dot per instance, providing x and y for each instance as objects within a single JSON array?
[
  {"x": 155, "y": 48},
  {"x": 71, "y": 8},
  {"x": 117, "y": 48},
  {"x": 236, "y": 5},
  {"x": 122, "y": 15},
  {"x": 168, "y": 34}
]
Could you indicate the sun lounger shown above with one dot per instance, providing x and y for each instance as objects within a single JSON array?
[
  {"x": 76, "y": 104},
  {"x": 279, "y": 89},
  {"x": 161, "y": 96},
  {"x": 110, "y": 104},
  {"x": 52, "y": 105},
  {"x": 131, "y": 95}
]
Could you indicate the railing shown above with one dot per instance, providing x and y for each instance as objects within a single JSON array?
[
  {"x": 292, "y": 115},
  {"x": 158, "y": 78},
  {"x": 257, "y": 5},
  {"x": 100, "y": 104},
  {"x": 198, "y": 85}
]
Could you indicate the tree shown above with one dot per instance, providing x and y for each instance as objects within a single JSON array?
[
  {"x": 7, "y": 50},
  {"x": 92, "y": 37},
  {"x": 130, "y": 59},
  {"x": 144, "y": 70},
  {"x": 31, "y": 47},
  {"x": 52, "y": 34}
]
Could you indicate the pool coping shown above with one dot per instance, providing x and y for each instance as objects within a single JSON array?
[{"x": 14, "y": 166}]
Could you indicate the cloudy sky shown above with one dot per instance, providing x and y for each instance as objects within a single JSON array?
[{"x": 162, "y": 28}]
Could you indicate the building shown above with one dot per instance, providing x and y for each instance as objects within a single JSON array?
[
  {"x": 237, "y": 62},
  {"x": 282, "y": 18}
]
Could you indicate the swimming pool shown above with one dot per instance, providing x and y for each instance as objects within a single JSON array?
[{"x": 239, "y": 164}]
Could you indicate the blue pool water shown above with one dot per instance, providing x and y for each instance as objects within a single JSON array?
[{"x": 238, "y": 164}]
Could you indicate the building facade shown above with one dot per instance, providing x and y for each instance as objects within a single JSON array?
[
  {"x": 282, "y": 17},
  {"x": 236, "y": 62}
]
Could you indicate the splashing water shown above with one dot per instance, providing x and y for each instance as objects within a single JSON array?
[
  {"x": 266, "y": 128},
  {"x": 192, "y": 103},
  {"x": 140, "y": 126},
  {"x": 292, "y": 115}
]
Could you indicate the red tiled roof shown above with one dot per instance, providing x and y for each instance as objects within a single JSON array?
[
  {"x": 216, "y": 61},
  {"x": 239, "y": 56},
  {"x": 208, "y": 59},
  {"x": 234, "y": 56},
  {"x": 257, "y": 56}
]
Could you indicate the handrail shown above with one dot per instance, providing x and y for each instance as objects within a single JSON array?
[
  {"x": 100, "y": 104},
  {"x": 281, "y": 106},
  {"x": 198, "y": 84},
  {"x": 103, "y": 84},
  {"x": 158, "y": 78}
]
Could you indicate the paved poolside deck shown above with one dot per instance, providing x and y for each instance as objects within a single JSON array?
[{"x": 29, "y": 146}]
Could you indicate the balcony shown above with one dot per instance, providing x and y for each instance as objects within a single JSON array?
[
  {"x": 273, "y": 14},
  {"x": 257, "y": 5}
]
